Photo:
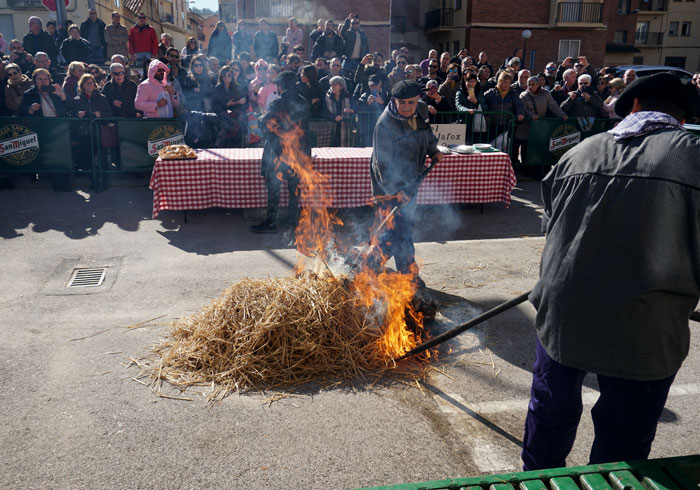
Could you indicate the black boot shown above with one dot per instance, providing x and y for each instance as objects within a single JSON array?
[{"x": 266, "y": 226}]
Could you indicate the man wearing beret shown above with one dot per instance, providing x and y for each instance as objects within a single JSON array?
[
  {"x": 288, "y": 110},
  {"x": 620, "y": 273},
  {"x": 402, "y": 139}
]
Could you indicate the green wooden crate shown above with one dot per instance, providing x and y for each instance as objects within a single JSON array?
[{"x": 681, "y": 473}]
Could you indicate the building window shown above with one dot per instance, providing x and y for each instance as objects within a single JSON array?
[
  {"x": 458, "y": 4},
  {"x": 398, "y": 24},
  {"x": 677, "y": 61},
  {"x": 673, "y": 28},
  {"x": 685, "y": 29},
  {"x": 569, "y": 47},
  {"x": 620, "y": 37},
  {"x": 638, "y": 60},
  {"x": 623, "y": 6},
  {"x": 455, "y": 48},
  {"x": 277, "y": 8}
]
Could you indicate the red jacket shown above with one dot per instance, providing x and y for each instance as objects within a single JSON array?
[{"x": 142, "y": 40}]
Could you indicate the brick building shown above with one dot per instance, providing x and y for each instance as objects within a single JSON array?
[
  {"x": 374, "y": 15},
  {"x": 603, "y": 31}
]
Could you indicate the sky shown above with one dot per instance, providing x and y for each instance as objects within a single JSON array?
[{"x": 202, "y": 4}]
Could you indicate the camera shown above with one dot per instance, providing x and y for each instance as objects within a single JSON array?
[{"x": 48, "y": 88}]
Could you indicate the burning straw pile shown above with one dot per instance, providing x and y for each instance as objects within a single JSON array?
[{"x": 282, "y": 332}]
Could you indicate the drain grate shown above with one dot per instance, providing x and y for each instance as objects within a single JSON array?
[{"x": 85, "y": 278}]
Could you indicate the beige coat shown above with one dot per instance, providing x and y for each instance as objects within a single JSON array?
[
  {"x": 117, "y": 39},
  {"x": 14, "y": 92}
]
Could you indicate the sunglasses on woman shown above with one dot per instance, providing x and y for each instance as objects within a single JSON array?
[{"x": 12, "y": 73}]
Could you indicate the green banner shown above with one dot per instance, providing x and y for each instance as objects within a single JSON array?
[
  {"x": 550, "y": 138},
  {"x": 141, "y": 139},
  {"x": 35, "y": 145}
]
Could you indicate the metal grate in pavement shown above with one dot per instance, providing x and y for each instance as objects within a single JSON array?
[{"x": 85, "y": 278}]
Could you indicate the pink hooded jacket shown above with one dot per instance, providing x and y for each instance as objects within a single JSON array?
[{"x": 150, "y": 91}]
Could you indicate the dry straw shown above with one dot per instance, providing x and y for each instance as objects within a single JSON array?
[{"x": 272, "y": 333}]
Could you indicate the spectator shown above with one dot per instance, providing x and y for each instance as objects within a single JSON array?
[
  {"x": 514, "y": 65},
  {"x": 550, "y": 72},
  {"x": 310, "y": 89},
  {"x": 75, "y": 48},
  {"x": 242, "y": 40},
  {"x": 517, "y": 53},
  {"x": 316, "y": 33},
  {"x": 213, "y": 65},
  {"x": 433, "y": 68},
  {"x": 177, "y": 73},
  {"x": 230, "y": 101},
  {"x": 562, "y": 90},
  {"x": 629, "y": 76},
  {"x": 294, "y": 35},
  {"x": 93, "y": 29},
  {"x": 444, "y": 63},
  {"x": 521, "y": 85},
  {"x": 435, "y": 102},
  {"x": 391, "y": 63},
  {"x": 257, "y": 83},
  {"x": 166, "y": 41},
  {"x": 120, "y": 92},
  {"x": 17, "y": 84},
  {"x": 154, "y": 97},
  {"x": 42, "y": 60},
  {"x": 20, "y": 57},
  {"x": 425, "y": 64},
  {"x": 39, "y": 40},
  {"x": 220, "y": 44},
  {"x": 76, "y": 69},
  {"x": 269, "y": 92},
  {"x": 329, "y": 44},
  {"x": 398, "y": 73},
  {"x": 469, "y": 100},
  {"x": 299, "y": 51},
  {"x": 601, "y": 86},
  {"x": 191, "y": 49},
  {"x": 370, "y": 65},
  {"x": 265, "y": 43},
  {"x": 143, "y": 41},
  {"x": 584, "y": 102},
  {"x": 484, "y": 78},
  {"x": 130, "y": 74},
  {"x": 90, "y": 103},
  {"x": 199, "y": 85},
  {"x": 370, "y": 106},
  {"x": 293, "y": 64},
  {"x": 247, "y": 66},
  {"x": 337, "y": 107},
  {"x": 55, "y": 35},
  {"x": 617, "y": 86},
  {"x": 116, "y": 37},
  {"x": 355, "y": 41},
  {"x": 40, "y": 101},
  {"x": 502, "y": 99},
  {"x": 449, "y": 87},
  {"x": 321, "y": 65},
  {"x": 579, "y": 65},
  {"x": 98, "y": 73},
  {"x": 412, "y": 72}
]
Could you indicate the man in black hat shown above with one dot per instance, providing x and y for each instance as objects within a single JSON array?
[
  {"x": 402, "y": 139},
  {"x": 289, "y": 110},
  {"x": 620, "y": 273}
]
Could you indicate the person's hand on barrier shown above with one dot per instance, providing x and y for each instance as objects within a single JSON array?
[
  {"x": 338, "y": 118},
  {"x": 97, "y": 114},
  {"x": 520, "y": 117},
  {"x": 34, "y": 107},
  {"x": 81, "y": 114},
  {"x": 432, "y": 110},
  {"x": 162, "y": 103},
  {"x": 535, "y": 117},
  {"x": 117, "y": 103}
]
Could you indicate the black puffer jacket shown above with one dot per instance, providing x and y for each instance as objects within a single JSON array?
[{"x": 96, "y": 103}]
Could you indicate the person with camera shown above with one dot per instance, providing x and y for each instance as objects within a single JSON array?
[
  {"x": 44, "y": 99},
  {"x": 17, "y": 84},
  {"x": 371, "y": 64},
  {"x": 75, "y": 48},
  {"x": 561, "y": 89},
  {"x": 370, "y": 105},
  {"x": 435, "y": 102},
  {"x": 583, "y": 102},
  {"x": 20, "y": 57},
  {"x": 42, "y": 60},
  {"x": 120, "y": 92}
]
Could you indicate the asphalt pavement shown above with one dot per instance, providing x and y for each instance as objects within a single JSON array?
[{"x": 73, "y": 416}]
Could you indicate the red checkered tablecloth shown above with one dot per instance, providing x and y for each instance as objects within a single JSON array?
[{"x": 230, "y": 178}]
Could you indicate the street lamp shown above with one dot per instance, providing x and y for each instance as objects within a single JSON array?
[{"x": 527, "y": 34}]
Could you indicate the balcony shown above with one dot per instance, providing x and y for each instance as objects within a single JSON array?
[
  {"x": 651, "y": 6},
  {"x": 25, "y": 5},
  {"x": 580, "y": 12},
  {"x": 648, "y": 38},
  {"x": 438, "y": 18},
  {"x": 167, "y": 19}
]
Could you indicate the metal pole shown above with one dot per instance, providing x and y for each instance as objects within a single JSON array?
[{"x": 61, "y": 15}]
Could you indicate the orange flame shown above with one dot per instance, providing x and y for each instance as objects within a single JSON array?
[{"x": 387, "y": 295}]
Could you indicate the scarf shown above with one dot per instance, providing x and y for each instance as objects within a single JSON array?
[
  {"x": 643, "y": 122},
  {"x": 394, "y": 112}
]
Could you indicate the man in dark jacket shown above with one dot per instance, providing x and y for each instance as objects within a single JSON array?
[
  {"x": 265, "y": 43},
  {"x": 329, "y": 44},
  {"x": 93, "y": 29},
  {"x": 356, "y": 43},
  {"x": 290, "y": 109},
  {"x": 120, "y": 92},
  {"x": 39, "y": 40},
  {"x": 402, "y": 139},
  {"x": 583, "y": 102},
  {"x": 618, "y": 277}
]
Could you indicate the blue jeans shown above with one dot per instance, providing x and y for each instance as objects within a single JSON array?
[{"x": 624, "y": 417}]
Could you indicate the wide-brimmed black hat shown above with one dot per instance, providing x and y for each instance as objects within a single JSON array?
[
  {"x": 665, "y": 86},
  {"x": 405, "y": 89},
  {"x": 286, "y": 79}
]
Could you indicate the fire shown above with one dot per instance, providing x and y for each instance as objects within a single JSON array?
[{"x": 386, "y": 295}]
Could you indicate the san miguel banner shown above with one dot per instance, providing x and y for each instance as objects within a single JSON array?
[
  {"x": 550, "y": 138},
  {"x": 35, "y": 145},
  {"x": 140, "y": 140}
]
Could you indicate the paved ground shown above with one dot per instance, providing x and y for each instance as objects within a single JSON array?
[{"x": 74, "y": 418}]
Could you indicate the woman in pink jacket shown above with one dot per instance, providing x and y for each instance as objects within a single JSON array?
[{"x": 155, "y": 96}]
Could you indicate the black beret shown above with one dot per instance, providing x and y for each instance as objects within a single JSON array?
[
  {"x": 665, "y": 86},
  {"x": 285, "y": 78},
  {"x": 374, "y": 79},
  {"x": 405, "y": 89}
]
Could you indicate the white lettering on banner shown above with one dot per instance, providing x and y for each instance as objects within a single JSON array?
[
  {"x": 450, "y": 134},
  {"x": 564, "y": 141},
  {"x": 21, "y": 143},
  {"x": 154, "y": 146}
]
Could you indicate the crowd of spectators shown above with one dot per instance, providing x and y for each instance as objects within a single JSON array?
[{"x": 87, "y": 71}]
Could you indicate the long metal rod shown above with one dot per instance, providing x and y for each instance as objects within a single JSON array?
[{"x": 465, "y": 326}]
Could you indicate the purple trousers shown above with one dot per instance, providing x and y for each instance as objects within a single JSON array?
[{"x": 624, "y": 417}]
